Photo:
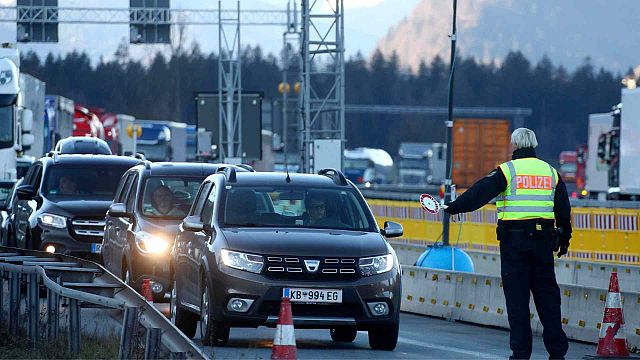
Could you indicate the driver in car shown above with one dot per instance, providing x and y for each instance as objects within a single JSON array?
[
  {"x": 67, "y": 186},
  {"x": 317, "y": 210},
  {"x": 163, "y": 203}
]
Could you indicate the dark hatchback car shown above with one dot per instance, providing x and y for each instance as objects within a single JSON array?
[
  {"x": 63, "y": 200},
  {"x": 151, "y": 201},
  {"x": 252, "y": 238}
]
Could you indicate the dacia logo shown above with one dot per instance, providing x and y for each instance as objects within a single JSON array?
[{"x": 312, "y": 265}]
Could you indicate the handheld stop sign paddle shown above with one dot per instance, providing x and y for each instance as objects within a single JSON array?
[{"x": 429, "y": 204}]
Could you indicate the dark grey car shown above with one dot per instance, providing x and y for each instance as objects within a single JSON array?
[
  {"x": 141, "y": 224},
  {"x": 253, "y": 238}
]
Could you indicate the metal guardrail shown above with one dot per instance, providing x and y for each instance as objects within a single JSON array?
[
  {"x": 84, "y": 284},
  {"x": 409, "y": 193}
]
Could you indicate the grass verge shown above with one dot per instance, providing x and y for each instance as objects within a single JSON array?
[{"x": 91, "y": 347}]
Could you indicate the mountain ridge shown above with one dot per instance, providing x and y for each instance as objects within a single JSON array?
[{"x": 568, "y": 32}]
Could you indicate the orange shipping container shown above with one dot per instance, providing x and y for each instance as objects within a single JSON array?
[{"x": 479, "y": 146}]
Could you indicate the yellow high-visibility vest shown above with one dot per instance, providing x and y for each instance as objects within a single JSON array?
[{"x": 531, "y": 187}]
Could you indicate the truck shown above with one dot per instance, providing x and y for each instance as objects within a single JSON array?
[
  {"x": 620, "y": 148},
  {"x": 162, "y": 140},
  {"x": 58, "y": 114},
  {"x": 368, "y": 166},
  {"x": 479, "y": 146},
  {"x": 16, "y": 119},
  {"x": 568, "y": 165},
  {"x": 596, "y": 168},
  {"x": 420, "y": 164},
  {"x": 33, "y": 92},
  {"x": 86, "y": 123},
  {"x": 198, "y": 144}
]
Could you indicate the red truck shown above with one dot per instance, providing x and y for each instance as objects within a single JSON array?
[
  {"x": 568, "y": 166},
  {"x": 86, "y": 123},
  {"x": 110, "y": 123}
]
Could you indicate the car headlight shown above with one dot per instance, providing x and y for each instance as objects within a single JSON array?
[
  {"x": 376, "y": 264},
  {"x": 5, "y": 77},
  {"x": 242, "y": 261},
  {"x": 150, "y": 243},
  {"x": 52, "y": 220}
]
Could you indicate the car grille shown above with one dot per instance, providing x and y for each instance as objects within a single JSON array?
[
  {"x": 294, "y": 268},
  {"x": 90, "y": 230}
]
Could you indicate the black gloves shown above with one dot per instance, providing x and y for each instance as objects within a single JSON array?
[{"x": 560, "y": 242}]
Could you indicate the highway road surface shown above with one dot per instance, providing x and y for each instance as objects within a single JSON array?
[{"x": 421, "y": 337}]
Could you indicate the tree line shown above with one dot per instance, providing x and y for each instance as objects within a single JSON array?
[{"x": 164, "y": 89}]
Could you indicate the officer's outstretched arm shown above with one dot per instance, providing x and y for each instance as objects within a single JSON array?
[{"x": 479, "y": 194}]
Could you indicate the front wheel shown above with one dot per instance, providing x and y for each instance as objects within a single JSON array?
[
  {"x": 183, "y": 319},
  {"x": 384, "y": 338},
  {"x": 212, "y": 333}
]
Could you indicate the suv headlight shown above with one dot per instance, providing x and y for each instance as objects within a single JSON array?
[
  {"x": 242, "y": 261},
  {"x": 148, "y": 243},
  {"x": 52, "y": 220},
  {"x": 376, "y": 264}
]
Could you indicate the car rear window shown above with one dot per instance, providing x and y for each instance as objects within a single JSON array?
[
  {"x": 88, "y": 181},
  {"x": 323, "y": 208},
  {"x": 85, "y": 147}
]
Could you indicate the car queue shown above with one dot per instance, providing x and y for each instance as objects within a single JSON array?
[{"x": 221, "y": 243}]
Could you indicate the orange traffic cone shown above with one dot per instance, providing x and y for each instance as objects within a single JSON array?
[
  {"x": 284, "y": 344},
  {"x": 613, "y": 342},
  {"x": 146, "y": 290}
]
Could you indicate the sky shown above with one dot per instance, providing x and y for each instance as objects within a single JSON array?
[{"x": 365, "y": 22}]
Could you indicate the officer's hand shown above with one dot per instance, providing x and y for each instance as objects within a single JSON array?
[
  {"x": 563, "y": 247},
  {"x": 563, "y": 251}
]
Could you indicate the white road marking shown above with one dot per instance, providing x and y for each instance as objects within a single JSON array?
[{"x": 475, "y": 354}]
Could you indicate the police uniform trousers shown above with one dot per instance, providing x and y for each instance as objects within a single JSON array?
[{"x": 526, "y": 255}]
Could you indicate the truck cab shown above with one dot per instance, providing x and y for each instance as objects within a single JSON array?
[
  {"x": 162, "y": 140},
  {"x": 15, "y": 120}
]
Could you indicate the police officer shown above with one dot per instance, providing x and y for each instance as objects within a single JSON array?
[{"x": 531, "y": 199}]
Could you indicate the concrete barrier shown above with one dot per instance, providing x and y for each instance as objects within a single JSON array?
[
  {"x": 479, "y": 299},
  {"x": 583, "y": 273}
]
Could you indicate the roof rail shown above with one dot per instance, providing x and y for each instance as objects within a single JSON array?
[
  {"x": 229, "y": 173},
  {"x": 53, "y": 154},
  {"x": 336, "y": 175},
  {"x": 246, "y": 167}
]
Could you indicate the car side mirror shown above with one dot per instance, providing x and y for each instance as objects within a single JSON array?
[
  {"x": 193, "y": 223},
  {"x": 26, "y": 192},
  {"x": 118, "y": 210},
  {"x": 392, "y": 229}
]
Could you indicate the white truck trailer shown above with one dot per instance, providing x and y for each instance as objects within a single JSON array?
[
  {"x": 629, "y": 153},
  {"x": 16, "y": 119},
  {"x": 597, "y": 180}
]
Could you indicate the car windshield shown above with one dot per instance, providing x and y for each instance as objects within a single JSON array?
[
  {"x": 159, "y": 152},
  {"x": 413, "y": 163},
  {"x": 169, "y": 197},
  {"x": 82, "y": 181},
  {"x": 322, "y": 208},
  {"x": 569, "y": 167},
  {"x": 357, "y": 163}
]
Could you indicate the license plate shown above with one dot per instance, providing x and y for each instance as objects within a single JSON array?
[
  {"x": 329, "y": 296},
  {"x": 96, "y": 248}
]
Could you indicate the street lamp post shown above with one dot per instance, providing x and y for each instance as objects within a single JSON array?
[{"x": 449, "y": 123}]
